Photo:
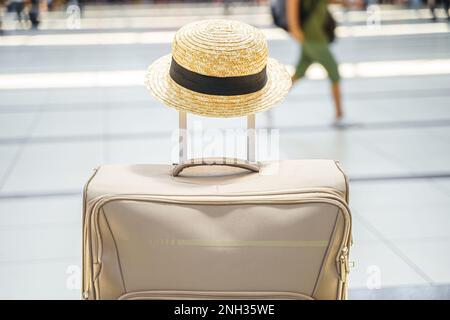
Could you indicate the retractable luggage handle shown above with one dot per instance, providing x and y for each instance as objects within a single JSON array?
[{"x": 249, "y": 164}]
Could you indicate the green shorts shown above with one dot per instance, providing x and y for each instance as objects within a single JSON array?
[{"x": 317, "y": 52}]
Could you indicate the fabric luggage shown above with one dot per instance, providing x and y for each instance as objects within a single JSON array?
[{"x": 217, "y": 231}]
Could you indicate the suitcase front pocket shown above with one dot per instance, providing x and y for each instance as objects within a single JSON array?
[{"x": 152, "y": 248}]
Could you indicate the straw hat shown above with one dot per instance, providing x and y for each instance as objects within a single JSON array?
[{"x": 218, "y": 68}]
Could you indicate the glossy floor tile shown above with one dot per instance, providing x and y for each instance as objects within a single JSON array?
[
  {"x": 16, "y": 125},
  {"x": 8, "y": 154},
  {"x": 431, "y": 256},
  {"x": 53, "y": 167},
  {"x": 69, "y": 124}
]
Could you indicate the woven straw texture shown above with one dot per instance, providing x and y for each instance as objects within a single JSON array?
[{"x": 220, "y": 48}]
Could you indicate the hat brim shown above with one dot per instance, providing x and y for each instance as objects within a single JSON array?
[{"x": 163, "y": 88}]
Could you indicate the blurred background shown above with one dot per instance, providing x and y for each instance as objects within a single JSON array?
[{"x": 72, "y": 98}]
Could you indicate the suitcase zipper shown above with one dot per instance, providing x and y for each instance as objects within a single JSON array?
[
  {"x": 85, "y": 295},
  {"x": 84, "y": 246},
  {"x": 343, "y": 260},
  {"x": 344, "y": 271}
]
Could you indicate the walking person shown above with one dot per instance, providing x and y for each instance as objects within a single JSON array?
[
  {"x": 315, "y": 43},
  {"x": 18, "y": 6},
  {"x": 33, "y": 14},
  {"x": 1, "y": 15},
  {"x": 432, "y": 6}
]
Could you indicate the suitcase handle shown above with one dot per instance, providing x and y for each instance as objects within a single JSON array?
[
  {"x": 182, "y": 138},
  {"x": 229, "y": 162}
]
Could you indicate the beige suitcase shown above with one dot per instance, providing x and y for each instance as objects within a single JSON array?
[{"x": 217, "y": 229}]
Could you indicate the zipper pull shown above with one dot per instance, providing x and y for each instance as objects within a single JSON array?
[{"x": 343, "y": 264}]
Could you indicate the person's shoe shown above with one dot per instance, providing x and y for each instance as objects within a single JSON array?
[
  {"x": 294, "y": 80},
  {"x": 340, "y": 123}
]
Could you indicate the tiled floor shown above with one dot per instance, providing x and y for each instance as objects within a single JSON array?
[
  {"x": 395, "y": 147},
  {"x": 53, "y": 167},
  {"x": 411, "y": 218}
]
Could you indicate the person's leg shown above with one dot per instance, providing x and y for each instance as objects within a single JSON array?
[
  {"x": 323, "y": 55},
  {"x": 336, "y": 91},
  {"x": 432, "y": 6},
  {"x": 19, "y": 10},
  {"x": 302, "y": 66},
  {"x": 16, "y": 10},
  {"x": 446, "y": 8}
]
